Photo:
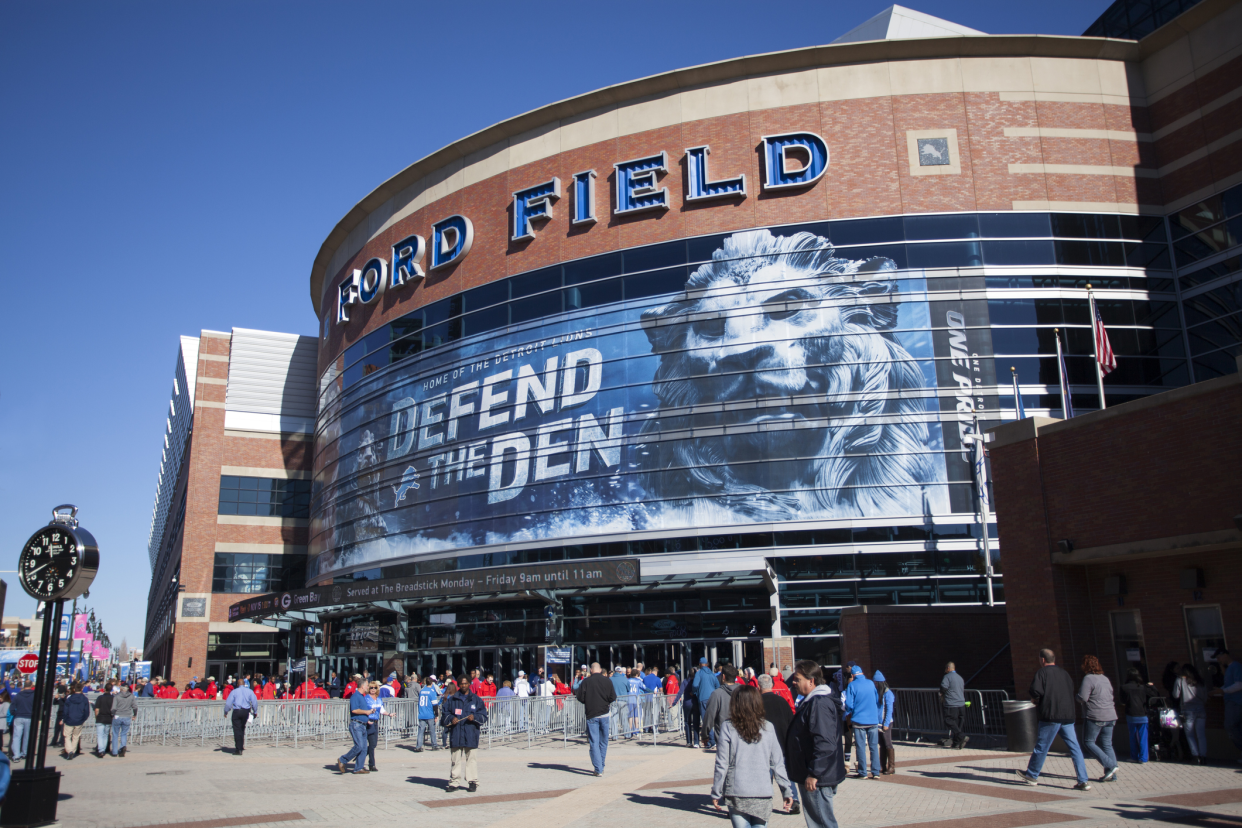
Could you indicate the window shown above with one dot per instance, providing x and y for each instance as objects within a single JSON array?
[
  {"x": 238, "y": 572},
  {"x": 264, "y": 497}
]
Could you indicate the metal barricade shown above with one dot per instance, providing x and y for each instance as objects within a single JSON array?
[
  {"x": 919, "y": 712},
  {"x": 318, "y": 722}
]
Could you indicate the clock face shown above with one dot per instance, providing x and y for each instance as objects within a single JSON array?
[{"x": 50, "y": 563}]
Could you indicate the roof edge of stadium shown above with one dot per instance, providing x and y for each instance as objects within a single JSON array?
[{"x": 1066, "y": 46}]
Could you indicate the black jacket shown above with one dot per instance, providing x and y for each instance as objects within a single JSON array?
[
  {"x": 1135, "y": 697},
  {"x": 596, "y": 694},
  {"x": 1053, "y": 690},
  {"x": 776, "y": 711},
  {"x": 813, "y": 746},
  {"x": 459, "y": 705}
]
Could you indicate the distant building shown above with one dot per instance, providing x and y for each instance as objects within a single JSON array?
[{"x": 232, "y": 500}]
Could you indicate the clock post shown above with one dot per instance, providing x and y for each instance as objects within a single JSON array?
[{"x": 59, "y": 562}]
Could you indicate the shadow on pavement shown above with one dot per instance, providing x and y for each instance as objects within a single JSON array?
[
  {"x": 427, "y": 781},
  {"x": 1175, "y": 816},
  {"x": 565, "y": 768},
  {"x": 678, "y": 801}
]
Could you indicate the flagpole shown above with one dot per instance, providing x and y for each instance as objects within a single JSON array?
[
  {"x": 1095, "y": 347},
  {"x": 984, "y": 515},
  {"x": 1061, "y": 378},
  {"x": 1017, "y": 397}
]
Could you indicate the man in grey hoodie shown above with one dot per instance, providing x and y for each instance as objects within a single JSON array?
[
  {"x": 123, "y": 709},
  {"x": 717, "y": 710}
]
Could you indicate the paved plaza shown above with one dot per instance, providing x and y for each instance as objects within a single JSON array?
[{"x": 550, "y": 785}]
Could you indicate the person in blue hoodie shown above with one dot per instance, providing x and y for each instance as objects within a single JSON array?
[
  {"x": 863, "y": 707},
  {"x": 888, "y": 704}
]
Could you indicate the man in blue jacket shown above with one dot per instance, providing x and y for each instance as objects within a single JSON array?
[
  {"x": 77, "y": 709},
  {"x": 464, "y": 714},
  {"x": 21, "y": 709},
  {"x": 702, "y": 686},
  {"x": 863, "y": 708}
]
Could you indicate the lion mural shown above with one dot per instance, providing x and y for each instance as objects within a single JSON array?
[{"x": 781, "y": 356}]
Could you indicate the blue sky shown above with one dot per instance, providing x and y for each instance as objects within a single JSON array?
[{"x": 169, "y": 167}]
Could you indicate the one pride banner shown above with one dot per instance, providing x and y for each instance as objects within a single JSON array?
[{"x": 79, "y": 626}]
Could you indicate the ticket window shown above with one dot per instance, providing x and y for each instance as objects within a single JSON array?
[
  {"x": 1205, "y": 633},
  {"x": 1128, "y": 647}
]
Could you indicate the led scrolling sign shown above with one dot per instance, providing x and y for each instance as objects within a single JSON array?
[{"x": 791, "y": 160}]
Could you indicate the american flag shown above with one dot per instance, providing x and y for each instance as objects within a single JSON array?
[{"x": 1103, "y": 350}]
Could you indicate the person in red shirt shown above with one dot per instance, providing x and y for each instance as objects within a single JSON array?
[
  {"x": 193, "y": 693},
  {"x": 476, "y": 684},
  {"x": 168, "y": 691},
  {"x": 212, "y": 689},
  {"x": 671, "y": 686},
  {"x": 268, "y": 691},
  {"x": 228, "y": 688},
  {"x": 317, "y": 692},
  {"x": 488, "y": 690},
  {"x": 780, "y": 688},
  {"x": 351, "y": 687}
]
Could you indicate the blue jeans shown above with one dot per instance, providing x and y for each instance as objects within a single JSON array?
[
  {"x": 21, "y": 734},
  {"x": 102, "y": 731},
  {"x": 817, "y": 807},
  {"x": 120, "y": 733},
  {"x": 743, "y": 821},
  {"x": 425, "y": 726},
  {"x": 1138, "y": 738},
  {"x": 597, "y": 735},
  {"x": 1101, "y": 731},
  {"x": 711, "y": 734},
  {"x": 870, "y": 734},
  {"x": 357, "y": 732},
  {"x": 1048, "y": 731}
]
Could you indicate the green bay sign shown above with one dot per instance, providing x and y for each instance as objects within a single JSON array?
[{"x": 470, "y": 582}]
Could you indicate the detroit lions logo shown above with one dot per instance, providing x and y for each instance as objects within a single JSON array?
[
  {"x": 407, "y": 482},
  {"x": 791, "y": 350}
]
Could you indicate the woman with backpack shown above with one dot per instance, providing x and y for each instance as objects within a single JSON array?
[{"x": 748, "y": 757}]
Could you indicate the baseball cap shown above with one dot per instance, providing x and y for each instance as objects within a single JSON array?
[
  {"x": 703, "y": 660},
  {"x": 856, "y": 670},
  {"x": 618, "y": 669}
]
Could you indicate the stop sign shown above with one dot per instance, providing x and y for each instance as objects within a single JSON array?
[{"x": 28, "y": 663}]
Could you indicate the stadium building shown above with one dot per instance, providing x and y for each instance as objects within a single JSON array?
[{"x": 686, "y": 366}]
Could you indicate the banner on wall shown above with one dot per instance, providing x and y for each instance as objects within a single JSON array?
[{"x": 777, "y": 383}]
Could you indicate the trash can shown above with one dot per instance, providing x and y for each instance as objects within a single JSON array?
[{"x": 1021, "y": 726}]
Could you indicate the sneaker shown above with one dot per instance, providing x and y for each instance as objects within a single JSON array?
[
  {"x": 450, "y": 788},
  {"x": 374, "y": 769},
  {"x": 1111, "y": 776},
  {"x": 474, "y": 786},
  {"x": 1027, "y": 779},
  {"x": 795, "y": 808},
  {"x": 599, "y": 773},
  {"x": 340, "y": 766},
  {"x": 364, "y": 770},
  {"x": 122, "y": 752},
  {"x": 1083, "y": 786}
]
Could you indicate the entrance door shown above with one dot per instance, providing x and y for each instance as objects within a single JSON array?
[{"x": 1128, "y": 646}]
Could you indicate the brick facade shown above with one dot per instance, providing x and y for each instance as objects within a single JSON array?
[
  {"x": 912, "y": 644},
  {"x": 1144, "y": 491}
]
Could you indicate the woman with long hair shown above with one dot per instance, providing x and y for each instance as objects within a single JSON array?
[
  {"x": 1137, "y": 693},
  {"x": 1192, "y": 693},
  {"x": 1100, "y": 711},
  {"x": 748, "y": 756}
]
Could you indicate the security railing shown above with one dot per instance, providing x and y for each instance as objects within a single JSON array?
[
  {"x": 919, "y": 713},
  {"x": 318, "y": 722}
]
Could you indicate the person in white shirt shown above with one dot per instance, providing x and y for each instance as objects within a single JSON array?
[{"x": 521, "y": 686}]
